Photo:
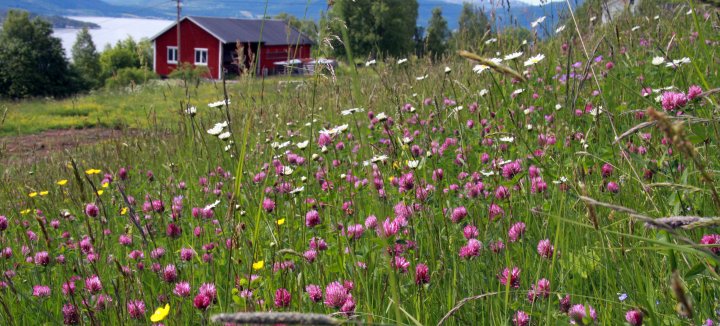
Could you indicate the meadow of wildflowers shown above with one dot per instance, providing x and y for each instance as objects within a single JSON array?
[{"x": 582, "y": 193}]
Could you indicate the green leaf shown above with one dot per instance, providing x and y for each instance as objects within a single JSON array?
[{"x": 695, "y": 270}]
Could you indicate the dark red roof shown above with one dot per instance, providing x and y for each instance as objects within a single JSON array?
[{"x": 267, "y": 31}]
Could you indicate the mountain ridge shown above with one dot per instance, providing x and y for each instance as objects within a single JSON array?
[{"x": 519, "y": 13}]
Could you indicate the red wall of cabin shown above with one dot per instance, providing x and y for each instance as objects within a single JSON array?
[
  {"x": 192, "y": 37},
  {"x": 273, "y": 53}
]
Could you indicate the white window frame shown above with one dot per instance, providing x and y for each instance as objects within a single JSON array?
[
  {"x": 207, "y": 56},
  {"x": 174, "y": 49}
]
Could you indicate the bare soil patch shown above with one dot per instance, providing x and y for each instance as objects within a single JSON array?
[{"x": 29, "y": 148}]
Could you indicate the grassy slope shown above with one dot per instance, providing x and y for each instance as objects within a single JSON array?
[{"x": 140, "y": 108}]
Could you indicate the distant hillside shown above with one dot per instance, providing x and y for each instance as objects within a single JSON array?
[
  {"x": 78, "y": 8},
  {"x": 56, "y": 21},
  {"x": 518, "y": 13}
]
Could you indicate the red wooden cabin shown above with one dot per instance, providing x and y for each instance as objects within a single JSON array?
[{"x": 214, "y": 42}]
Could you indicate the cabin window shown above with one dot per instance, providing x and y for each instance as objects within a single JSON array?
[
  {"x": 201, "y": 57},
  {"x": 172, "y": 54}
]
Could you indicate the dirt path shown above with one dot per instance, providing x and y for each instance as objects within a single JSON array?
[{"x": 29, "y": 148}]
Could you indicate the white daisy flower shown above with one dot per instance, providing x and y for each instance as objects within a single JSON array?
[
  {"x": 560, "y": 29},
  {"x": 596, "y": 111},
  {"x": 486, "y": 173},
  {"x": 370, "y": 63},
  {"x": 413, "y": 164},
  {"x": 447, "y": 70},
  {"x": 217, "y": 129},
  {"x": 375, "y": 159},
  {"x": 518, "y": 91},
  {"x": 381, "y": 116},
  {"x": 297, "y": 190},
  {"x": 224, "y": 136},
  {"x": 351, "y": 111},
  {"x": 218, "y": 103},
  {"x": 678, "y": 62},
  {"x": 534, "y": 59},
  {"x": 558, "y": 107},
  {"x": 421, "y": 77},
  {"x": 277, "y": 145},
  {"x": 401, "y": 61},
  {"x": 537, "y": 22},
  {"x": 380, "y": 158},
  {"x": 335, "y": 130},
  {"x": 483, "y": 92},
  {"x": 213, "y": 205},
  {"x": 492, "y": 40},
  {"x": 635, "y": 28},
  {"x": 303, "y": 145},
  {"x": 658, "y": 61},
  {"x": 507, "y": 139},
  {"x": 512, "y": 56},
  {"x": 191, "y": 111},
  {"x": 480, "y": 68}
]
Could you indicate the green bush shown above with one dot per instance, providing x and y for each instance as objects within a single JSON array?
[
  {"x": 130, "y": 77},
  {"x": 190, "y": 73}
]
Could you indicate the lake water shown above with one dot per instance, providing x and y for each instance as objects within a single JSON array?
[{"x": 112, "y": 30}]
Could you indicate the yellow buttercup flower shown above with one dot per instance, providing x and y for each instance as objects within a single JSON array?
[
  {"x": 281, "y": 221},
  {"x": 100, "y": 192},
  {"x": 62, "y": 182},
  {"x": 43, "y": 193},
  {"x": 106, "y": 184},
  {"x": 123, "y": 211},
  {"x": 258, "y": 265},
  {"x": 160, "y": 313},
  {"x": 23, "y": 212},
  {"x": 92, "y": 171},
  {"x": 32, "y": 194}
]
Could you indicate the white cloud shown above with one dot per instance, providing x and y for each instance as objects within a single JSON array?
[{"x": 246, "y": 14}]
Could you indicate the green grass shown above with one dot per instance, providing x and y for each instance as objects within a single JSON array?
[
  {"x": 600, "y": 253},
  {"x": 144, "y": 107}
]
